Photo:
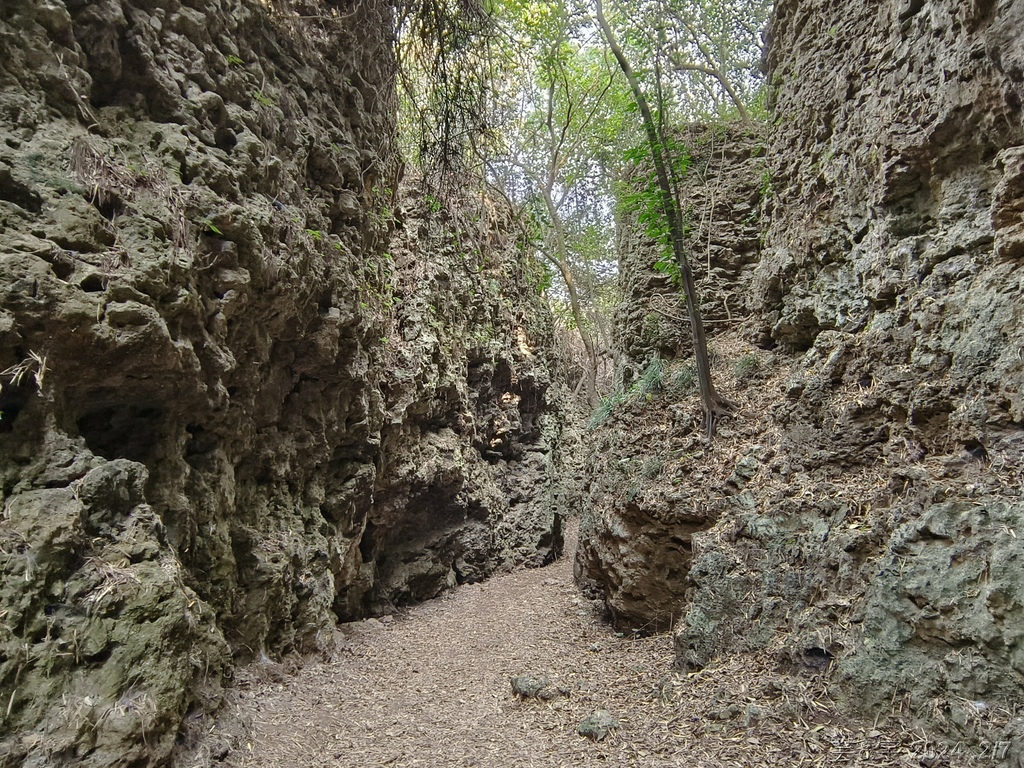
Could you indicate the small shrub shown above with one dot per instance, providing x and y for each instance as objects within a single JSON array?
[
  {"x": 262, "y": 99},
  {"x": 746, "y": 366},
  {"x": 651, "y": 380},
  {"x": 680, "y": 381},
  {"x": 604, "y": 410},
  {"x": 208, "y": 226},
  {"x": 653, "y": 467}
]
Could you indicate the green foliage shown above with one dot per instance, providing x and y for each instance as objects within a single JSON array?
[
  {"x": 260, "y": 98},
  {"x": 315, "y": 234},
  {"x": 642, "y": 196},
  {"x": 233, "y": 60},
  {"x": 484, "y": 335},
  {"x": 208, "y": 226},
  {"x": 649, "y": 383},
  {"x": 561, "y": 110},
  {"x": 526, "y": 93},
  {"x": 680, "y": 381},
  {"x": 746, "y": 366},
  {"x": 759, "y": 103},
  {"x": 605, "y": 409},
  {"x": 653, "y": 466},
  {"x": 703, "y": 57},
  {"x": 433, "y": 203},
  {"x": 651, "y": 380},
  {"x": 541, "y": 276},
  {"x": 651, "y": 328},
  {"x": 667, "y": 265}
]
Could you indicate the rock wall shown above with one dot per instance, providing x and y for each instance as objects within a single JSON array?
[
  {"x": 861, "y": 512},
  {"x": 248, "y": 387},
  {"x": 721, "y": 200},
  {"x": 642, "y": 507},
  {"x": 894, "y": 258},
  {"x": 467, "y": 478}
]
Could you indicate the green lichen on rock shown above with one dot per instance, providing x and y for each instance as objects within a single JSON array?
[
  {"x": 231, "y": 372},
  {"x": 105, "y": 649},
  {"x": 945, "y": 608}
]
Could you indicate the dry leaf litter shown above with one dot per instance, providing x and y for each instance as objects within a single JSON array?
[{"x": 431, "y": 686}]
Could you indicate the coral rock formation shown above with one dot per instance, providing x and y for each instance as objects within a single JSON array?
[{"x": 228, "y": 417}]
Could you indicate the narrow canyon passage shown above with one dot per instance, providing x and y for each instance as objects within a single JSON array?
[
  {"x": 431, "y": 687},
  {"x": 295, "y": 298}
]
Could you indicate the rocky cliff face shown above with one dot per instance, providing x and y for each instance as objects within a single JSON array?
[
  {"x": 249, "y": 387},
  {"x": 721, "y": 200},
  {"x": 643, "y": 505},
  {"x": 466, "y": 480},
  {"x": 862, "y": 509},
  {"x": 900, "y": 212}
]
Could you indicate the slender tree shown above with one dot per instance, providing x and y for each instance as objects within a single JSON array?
[
  {"x": 715, "y": 47},
  {"x": 660, "y": 152},
  {"x": 568, "y": 112},
  {"x": 556, "y": 161}
]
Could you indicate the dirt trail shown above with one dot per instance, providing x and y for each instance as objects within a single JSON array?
[{"x": 431, "y": 687}]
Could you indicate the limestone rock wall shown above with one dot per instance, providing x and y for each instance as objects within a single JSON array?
[
  {"x": 722, "y": 196},
  {"x": 894, "y": 256},
  {"x": 642, "y": 508},
  {"x": 467, "y": 477},
  {"x": 243, "y": 393},
  {"x": 862, "y": 509}
]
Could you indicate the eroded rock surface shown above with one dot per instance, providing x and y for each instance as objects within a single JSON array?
[
  {"x": 721, "y": 200},
  {"x": 467, "y": 477},
  {"x": 642, "y": 510},
  {"x": 865, "y": 502},
  {"x": 237, "y": 400},
  {"x": 892, "y": 251}
]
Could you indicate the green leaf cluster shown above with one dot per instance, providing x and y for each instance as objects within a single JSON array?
[{"x": 640, "y": 195}]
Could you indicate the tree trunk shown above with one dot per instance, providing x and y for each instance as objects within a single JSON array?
[
  {"x": 714, "y": 403},
  {"x": 560, "y": 260}
]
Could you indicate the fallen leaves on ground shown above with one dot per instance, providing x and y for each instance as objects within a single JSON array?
[{"x": 431, "y": 687}]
